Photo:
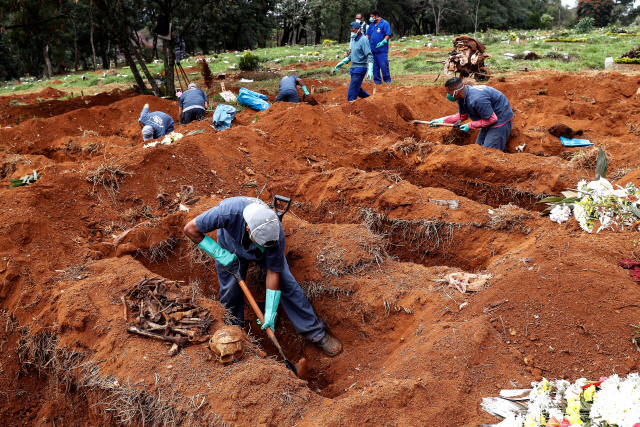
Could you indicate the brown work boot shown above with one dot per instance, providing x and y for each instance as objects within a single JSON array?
[{"x": 330, "y": 345}]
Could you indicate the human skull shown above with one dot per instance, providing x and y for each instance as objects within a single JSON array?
[{"x": 226, "y": 343}]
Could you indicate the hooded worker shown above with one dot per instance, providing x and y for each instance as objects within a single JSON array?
[
  {"x": 488, "y": 109},
  {"x": 379, "y": 34},
  {"x": 154, "y": 125},
  {"x": 192, "y": 105},
  {"x": 288, "y": 91},
  {"x": 361, "y": 63},
  {"x": 248, "y": 230}
]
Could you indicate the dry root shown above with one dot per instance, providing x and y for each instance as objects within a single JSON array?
[{"x": 509, "y": 217}]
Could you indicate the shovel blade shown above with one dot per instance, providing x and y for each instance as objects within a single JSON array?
[{"x": 301, "y": 369}]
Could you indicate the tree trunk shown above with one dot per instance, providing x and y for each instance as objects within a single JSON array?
[
  {"x": 285, "y": 34},
  {"x": 75, "y": 44},
  {"x": 142, "y": 89},
  {"x": 106, "y": 65},
  {"x": 145, "y": 70},
  {"x": 168, "y": 67},
  {"x": 47, "y": 62},
  {"x": 93, "y": 48},
  {"x": 318, "y": 34},
  {"x": 154, "y": 50}
]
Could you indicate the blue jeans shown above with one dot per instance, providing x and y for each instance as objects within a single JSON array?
[
  {"x": 381, "y": 63},
  {"x": 288, "y": 97},
  {"x": 495, "y": 137},
  {"x": 293, "y": 300},
  {"x": 355, "y": 87}
]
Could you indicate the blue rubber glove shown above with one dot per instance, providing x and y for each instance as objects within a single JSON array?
[
  {"x": 223, "y": 256},
  {"x": 369, "y": 75},
  {"x": 432, "y": 123},
  {"x": 270, "y": 309},
  {"x": 464, "y": 127},
  {"x": 306, "y": 92},
  {"x": 382, "y": 43},
  {"x": 341, "y": 63}
]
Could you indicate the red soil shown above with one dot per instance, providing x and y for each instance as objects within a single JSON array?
[{"x": 364, "y": 239}]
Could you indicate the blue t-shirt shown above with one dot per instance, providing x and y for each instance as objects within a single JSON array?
[
  {"x": 288, "y": 85},
  {"x": 162, "y": 123},
  {"x": 377, "y": 33},
  {"x": 360, "y": 53},
  {"x": 232, "y": 234},
  {"x": 480, "y": 102},
  {"x": 192, "y": 98}
]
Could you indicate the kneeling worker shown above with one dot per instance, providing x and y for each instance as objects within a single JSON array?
[
  {"x": 288, "y": 91},
  {"x": 154, "y": 125},
  {"x": 361, "y": 63},
  {"x": 487, "y": 107},
  {"x": 248, "y": 230},
  {"x": 192, "y": 105}
]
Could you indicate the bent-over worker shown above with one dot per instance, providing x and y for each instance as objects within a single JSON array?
[
  {"x": 248, "y": 230},
  {"x": 379, "y": 33},
  {"x": 361, "y": 63},
  {"x": 288, "y": 91},
  {"x": 192, "y": 105},
  {"x": 154, "y": 125},
  {"x": 488, "y": 109}
]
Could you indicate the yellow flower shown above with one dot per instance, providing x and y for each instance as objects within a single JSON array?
[
  {"x": 590, "y": 393},
  {"x": 574, "y": 419},
  {"x": 545, "y": 385},
  {"x": 573, "y": 407},
  {"x": 543, "y": 420},
  {"x": 530, "y": 421}
]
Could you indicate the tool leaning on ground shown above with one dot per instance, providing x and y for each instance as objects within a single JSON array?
[{"x": 300, "y": 369}]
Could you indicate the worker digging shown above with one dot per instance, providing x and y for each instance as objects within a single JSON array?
[
  {"x": 488, "y": 109},
  {"x": 249, "y": 231},
  {"x": 192, "y": 104},
  {"x": 361, "y": 60},
  {"x": 154, "y": 125},
  {"x": 288, "y": 92}
]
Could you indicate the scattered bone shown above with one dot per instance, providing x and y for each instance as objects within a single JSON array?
[
  {"x": 520, "y": 148},
  {"x": 467, "y": 282},
  {"x": 452, "y": 204}
]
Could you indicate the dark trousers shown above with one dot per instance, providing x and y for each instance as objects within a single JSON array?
[
  {"x": 293, "y": 300},
  {"x": 381, "y": 64},
  {"x": 191, "y": 115},
  {"x": 288, "y": 97},
  {"x": 493, "y": 137},
  {"x": 355, "y": 87}
]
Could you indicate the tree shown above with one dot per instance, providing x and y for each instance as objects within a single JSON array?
[
  {"x": 546, "y": 20},
  {"x": 599, "y": 10},
  {"x": 533, "y": 21},
  {"x": 439, "y": 8}
]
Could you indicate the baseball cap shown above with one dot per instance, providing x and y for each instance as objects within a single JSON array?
[
  {"x": 263, "y": 224},
  {"x": 147, "y": 132},
  {"x": 192, "y": 86},
  {"x": 355, "y": 25}
]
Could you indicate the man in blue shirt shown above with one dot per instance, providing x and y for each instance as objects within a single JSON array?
[
  {"x": 154, "y": 125},
  {"x": 361, "y": 63},
  {"x": 488, "y": 109},
  {"x": 288, "y": 92},
  {"x": 192, "y": 105},
  {"x": 379, "y": 33},
  {"x": 248, "y": 230}
]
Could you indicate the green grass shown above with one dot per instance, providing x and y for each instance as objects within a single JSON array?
[{"x": 589, "y": 55}]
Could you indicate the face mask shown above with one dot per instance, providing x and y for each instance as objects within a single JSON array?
[
  {"x": 372, "y": 20},
  {"x": 450, "y": 98},
  {"x": 358, "y": 21},
  {"x": 354, "y": 35}
]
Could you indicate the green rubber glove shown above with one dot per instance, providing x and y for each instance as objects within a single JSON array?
[
  {"x": 432, "y": 123},
  {"x": 369, "y": 75},
  {"x": 223, "y": 256},
  {"x": 464, "y": 127},
  {"x": 382, "y": 43},
  {"x": 341, "y": 63},
  {"x": 270, "y": 309},
  {"x": 304, "y": 89}
]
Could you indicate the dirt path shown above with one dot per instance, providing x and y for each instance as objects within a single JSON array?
[{"x": 366, "y": 239}]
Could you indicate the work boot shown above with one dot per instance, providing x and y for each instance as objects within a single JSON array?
[{"x": 330, "y": 345}]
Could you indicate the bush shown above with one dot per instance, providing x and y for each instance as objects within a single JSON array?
[
  {"x": 546, "y": 20},
  {"x": 599, "y": 10},
  {"x": 328, "y": 42},
  {"x": 585, "y": 25},
  {"x": 533, "y": 21},
  {"x": 249, "y": 62}
]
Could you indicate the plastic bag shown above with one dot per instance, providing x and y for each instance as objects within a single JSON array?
[
  {"x": 223, "y": 116},
  {"x": 575, "y": 142},
  {"x": 252, "y": 99}
]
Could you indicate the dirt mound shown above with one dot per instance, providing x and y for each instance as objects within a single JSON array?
[{"x": 382, "y": 211}]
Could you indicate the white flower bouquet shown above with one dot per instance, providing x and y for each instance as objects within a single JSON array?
[
  {"x": 167, "y": 140},
  {"x": 609, "y": 402}
]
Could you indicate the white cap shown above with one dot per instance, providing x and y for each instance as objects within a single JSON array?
[{"x": 263, "y": 224}]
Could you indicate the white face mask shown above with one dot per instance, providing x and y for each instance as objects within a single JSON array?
[{"x": 358, "y": 21}]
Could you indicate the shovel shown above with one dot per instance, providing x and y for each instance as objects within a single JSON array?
[
  {"x": 449, "y": 125},
  {"x": 300, "y": 369}
]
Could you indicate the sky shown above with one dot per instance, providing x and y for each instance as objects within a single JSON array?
[{"x": 570, "y": 3}]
